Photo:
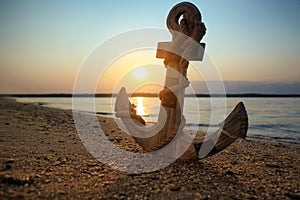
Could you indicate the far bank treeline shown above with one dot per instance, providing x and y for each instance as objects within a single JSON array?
[{"x": 99, "y": 95}]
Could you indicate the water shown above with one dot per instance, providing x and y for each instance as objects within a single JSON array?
[{"x": 274, "y": 119}]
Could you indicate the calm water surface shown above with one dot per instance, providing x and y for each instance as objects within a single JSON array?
[{"x": 276, "y": 119}]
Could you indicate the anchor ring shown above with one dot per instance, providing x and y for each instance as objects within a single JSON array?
[{"x": 184, "y": 8}]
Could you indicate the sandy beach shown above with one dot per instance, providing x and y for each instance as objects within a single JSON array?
[{"x": 42, "y": 157}]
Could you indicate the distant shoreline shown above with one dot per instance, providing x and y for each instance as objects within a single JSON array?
[{"x": 63, "y": 95}]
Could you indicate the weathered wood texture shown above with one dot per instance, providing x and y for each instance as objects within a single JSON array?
[{"x": 172, "y": 96}]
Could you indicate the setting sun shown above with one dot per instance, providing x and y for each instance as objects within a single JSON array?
[{"x": 140, "y": 73}]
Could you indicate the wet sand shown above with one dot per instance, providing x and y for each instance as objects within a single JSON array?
[{"x": 42, "y": 157}]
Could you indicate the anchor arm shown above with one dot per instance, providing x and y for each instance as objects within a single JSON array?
[{"x": 233, "y": 127}]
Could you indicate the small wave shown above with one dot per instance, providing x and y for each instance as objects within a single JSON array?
[
  {"x": 279, "y": 128},
  {"x": 201, "y": 125},
  {"x": 275, "y": 138},
  {"x": 40, "y": 103},
  {"x": 272, "y": 132},
  {"x": 105, "y": 113},
  {"x": 294, "y": 115}
]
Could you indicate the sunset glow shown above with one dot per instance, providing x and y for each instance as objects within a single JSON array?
[{"x": 44, "y": 43}]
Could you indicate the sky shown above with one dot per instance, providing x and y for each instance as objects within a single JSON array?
[{"x": 44, "y": 43}]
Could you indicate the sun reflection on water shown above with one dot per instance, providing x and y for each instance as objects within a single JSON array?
[{"x": 140, "y": 109}]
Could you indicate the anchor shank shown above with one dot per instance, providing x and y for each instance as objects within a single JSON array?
[
  {"x": 172, "y": 96},
  {"x": 172, "y": 101}
]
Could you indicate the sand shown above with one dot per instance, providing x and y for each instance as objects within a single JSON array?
[{"x": 42, "y": 157}]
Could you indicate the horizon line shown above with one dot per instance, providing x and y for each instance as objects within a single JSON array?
[{"x": 141, "y": 94}]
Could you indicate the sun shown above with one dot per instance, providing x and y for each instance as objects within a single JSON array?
[{"x": 140, "y": 73}]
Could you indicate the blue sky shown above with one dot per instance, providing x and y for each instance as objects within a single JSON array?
[{"x": 43, "y": 43}]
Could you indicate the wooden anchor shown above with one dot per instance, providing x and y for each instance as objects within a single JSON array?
[{"x": 171, "y": 121}]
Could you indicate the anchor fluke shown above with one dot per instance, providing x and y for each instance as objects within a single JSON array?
[
  {"x": 233, "y": 127},
  {"x": 135, "y": 124}
]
